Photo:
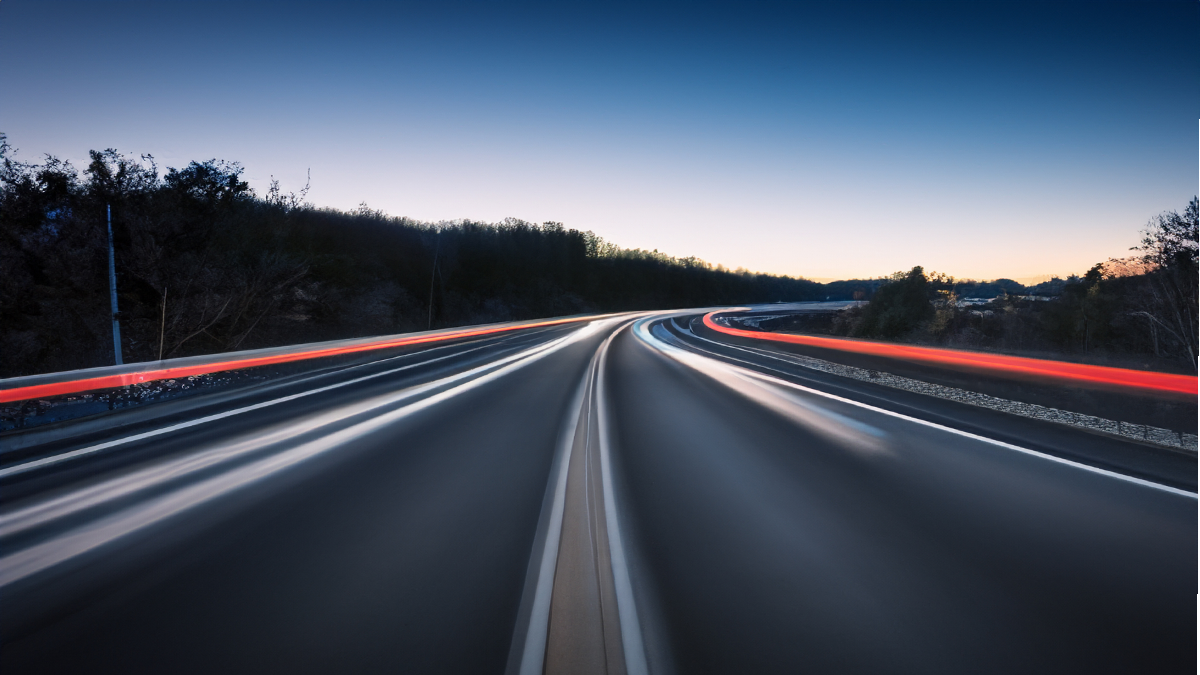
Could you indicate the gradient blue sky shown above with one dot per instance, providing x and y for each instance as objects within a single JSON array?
[{"x": 823, "y": 140}]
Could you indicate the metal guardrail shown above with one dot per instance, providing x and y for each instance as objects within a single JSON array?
[{"x": 108, "y": 377}]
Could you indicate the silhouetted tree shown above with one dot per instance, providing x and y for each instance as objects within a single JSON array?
[
  {"x": 898, "y": 307},
  {"x": 205, "y": 265},
  {"x": 1169, "y": 253}
]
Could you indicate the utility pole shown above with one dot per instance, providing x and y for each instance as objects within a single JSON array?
[
  {"x": 436, "y": 250},
  {"x": 112, "y": 290}
]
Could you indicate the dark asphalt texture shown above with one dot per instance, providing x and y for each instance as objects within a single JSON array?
[
  {"x": 768, "y": 529},
  {"x": 775, "y": 549}
]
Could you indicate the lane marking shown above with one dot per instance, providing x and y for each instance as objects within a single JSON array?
[
  {"x": 81, "y": 452},
  {"x": 631, "y": 632},
  {"x": 1149, "y": 434},
  {"x": 176, "y": 468},
  {"x": 690, "y": 359},
  {"x": 995, "y": 364},
  {"x": 533, "y": 649},
  {"x": 42, "y": 556}
]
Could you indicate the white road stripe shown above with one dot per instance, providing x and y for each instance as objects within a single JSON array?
[
  {"x": 986, "y": 401},
  {"x": 687, "y": 358},
  {"x": 81, "y": 452},
  {"x": 631, "y": 631},
  {"x": 23, "y": 563},
  {"x": 533, "y": 651}
]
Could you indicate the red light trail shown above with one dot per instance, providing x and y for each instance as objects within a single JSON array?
[
  {"x": 126, "y": 379},
  {"x": 1061, "y": 372}
]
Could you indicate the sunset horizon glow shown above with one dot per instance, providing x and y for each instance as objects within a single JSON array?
[{"x": 983, "y": 141}]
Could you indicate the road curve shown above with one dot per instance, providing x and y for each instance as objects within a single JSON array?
[{"x": 621, "y": 495}]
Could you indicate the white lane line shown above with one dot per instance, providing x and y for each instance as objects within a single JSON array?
[
  {"x": 42, "y": 556},
  {"x": 689, "y": 359},
  {"x": 66, "y": 456},
  {"x": 533, "y": 651},
  {"x": 1149, "y": 434},
  {"x": 631, "y": 631}
]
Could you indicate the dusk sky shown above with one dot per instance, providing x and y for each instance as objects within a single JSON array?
[{"x": 980, "y": 140}]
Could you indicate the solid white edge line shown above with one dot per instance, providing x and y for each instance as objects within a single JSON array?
[
  {"x": 631, "y": 632},
  {"x": 533, "y": 654},
  {"x": 644, "y": 334},
  {"x": 73, "y": 454},
  {"x": 763, "y": 352}
]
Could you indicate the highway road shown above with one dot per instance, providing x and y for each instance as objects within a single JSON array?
[{"x": 621, "y": 495}]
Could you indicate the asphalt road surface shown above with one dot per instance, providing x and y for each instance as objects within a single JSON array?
[{"x": 621, "y": 496}]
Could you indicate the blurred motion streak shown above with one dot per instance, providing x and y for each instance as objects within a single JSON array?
[
  {"x": 703, "y": 363},
  {"x": 17, "y": 565},
  {"x": 126, "y": 379},
  {"x": 1058, "y": 372},
  {"x": 841, "y": 430}
]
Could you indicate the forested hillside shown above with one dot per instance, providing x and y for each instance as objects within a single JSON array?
[{"x": 205, "y": 265}]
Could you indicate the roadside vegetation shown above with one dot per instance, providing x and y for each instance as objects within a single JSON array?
[
  {"x": 1140, "y": 310},
  {"x": 205, "y": 265}
]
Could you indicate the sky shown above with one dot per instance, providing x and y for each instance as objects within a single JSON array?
[{"x": 824, "y": 140}]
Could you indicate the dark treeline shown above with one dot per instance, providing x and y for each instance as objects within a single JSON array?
[
  {"x": 205, "y": 265},
  {"x": 864, "y": 289},
  {"x": 1142, "y": 308}
]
